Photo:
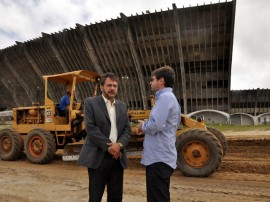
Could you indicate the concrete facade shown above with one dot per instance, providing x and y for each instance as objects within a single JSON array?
[
  {"x": 195, "y": 41},
  {"x": 219, "y": 117},
  {"x": 253, "y": 101},
  {"x": 264, "y": 119},
  {"x": 212, "y": 116},
  {"x": 242, "y": 119}
]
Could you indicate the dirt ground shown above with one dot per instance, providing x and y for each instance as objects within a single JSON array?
[{"x": 244, "y": 175}]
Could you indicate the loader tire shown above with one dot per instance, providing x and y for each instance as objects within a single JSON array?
[
  {"x": 11, "y": 144},
  {"x": 220, "y": 136},
  {"x": 40, "y": 146},
  {"x": 199, "y": 153}
]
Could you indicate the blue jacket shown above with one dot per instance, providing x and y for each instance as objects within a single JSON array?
[{"x": 64, "y": 102}]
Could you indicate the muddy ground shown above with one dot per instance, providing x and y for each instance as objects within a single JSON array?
[{"x": 244, "y": 175}]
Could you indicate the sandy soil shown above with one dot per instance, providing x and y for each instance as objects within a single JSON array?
[{"x": 244, "y": 175}]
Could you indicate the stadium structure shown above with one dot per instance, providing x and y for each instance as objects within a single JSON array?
[{"x": 197, "y": 42}]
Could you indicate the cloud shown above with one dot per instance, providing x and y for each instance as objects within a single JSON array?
[
  {"x": 25, "y": 20},
  {"x": 250, "y": 63}
]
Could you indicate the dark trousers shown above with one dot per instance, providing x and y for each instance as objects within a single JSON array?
[
  {"x": 63, "y": 112},
  {"x": 158, "y": 182},
  {"x": 109, "y": 173}
]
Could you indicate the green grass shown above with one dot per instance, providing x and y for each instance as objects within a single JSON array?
[{"x": 232, "y": 128}]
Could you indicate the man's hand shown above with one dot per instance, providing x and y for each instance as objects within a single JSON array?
[
  {"x": 139, "y": 128},
  {"x": 114, "y": 150}
]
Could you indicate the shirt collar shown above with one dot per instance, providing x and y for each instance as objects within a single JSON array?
[
  {"x": 163, "y": 90},
  {"x": 108, "y": 101}
]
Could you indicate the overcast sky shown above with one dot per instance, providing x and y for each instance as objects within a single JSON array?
[{"x": 23, "y": 20}]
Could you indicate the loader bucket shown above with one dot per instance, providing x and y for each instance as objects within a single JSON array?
[{"x": 72, "y": 151}]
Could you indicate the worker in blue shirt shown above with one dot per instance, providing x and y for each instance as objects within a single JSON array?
[
  {"x": 65, "y": 101},
  {"x": 159, "y": 151}
]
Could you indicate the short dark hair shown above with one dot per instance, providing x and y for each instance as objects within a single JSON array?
[
  {"x": 69, "y": 93},
  {"x": 167, "y": 73},
  {"x": 110, "y": 75}
]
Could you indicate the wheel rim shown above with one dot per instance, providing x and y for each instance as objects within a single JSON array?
[
  {"x": 6, "y": 144},
  {"x": 195, "y": 153},
  {"x": 36, "y": 146}
]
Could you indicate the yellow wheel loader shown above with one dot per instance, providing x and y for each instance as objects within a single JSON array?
[
  {"x": 40, "y": 131},
  {"x": 200, "y": 149}
]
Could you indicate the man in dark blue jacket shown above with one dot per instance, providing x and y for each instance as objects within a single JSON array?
[
  {"x": 108, "y": 133},
  {"x": 64, "y": 103}
]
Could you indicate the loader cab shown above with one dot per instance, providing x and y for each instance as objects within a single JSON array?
[{"x": 56, "y": 86}]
